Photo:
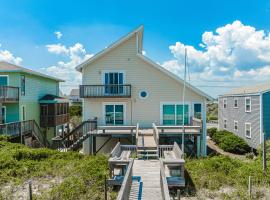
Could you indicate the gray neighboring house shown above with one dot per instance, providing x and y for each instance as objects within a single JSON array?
[
  {"x": 246, "y": 112},
  {"x": 74, "y": 97}
]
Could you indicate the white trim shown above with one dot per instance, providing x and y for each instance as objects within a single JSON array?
[
  {"x": 173, "y": 103},
  {"x": 225, "y": 99},
  {"x": 235, "y": 99},
  {"x": 103, "y": 72},
  {"x": 113, "y": 103},
  {"x": 173, "y": 76},
  {"x": 234, "y": 121},
  {"x": 7, "y": 78},
  {"x": 261, "y": 118},
  {"x": 247, "y": 111},
  {"x": 22, "y": 112},
  {"x": 248, "y": 123},
  {"x": 147, "y": 94},
  {"x": 5, "y": 108}
]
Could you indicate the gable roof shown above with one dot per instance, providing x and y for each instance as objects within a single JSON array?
[
  {"x": 139, "y": 31},
  {"x": 74, "y": 92},
  {"x": 259, "y": 88},
  {"x": 8, "y": 67},
  {"x": 112, "y": 46}
]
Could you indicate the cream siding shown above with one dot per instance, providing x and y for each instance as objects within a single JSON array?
[{"x": 141, "y": 76}]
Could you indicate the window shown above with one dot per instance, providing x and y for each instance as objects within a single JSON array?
[
  {"x": 248, "y": 104},
  {"x": 114, "y": 82},
  {"x": 197, "y": 110},
  {"x": 3, "y": 80},
  {"x": 143, "y": 94},
  {"x": 224, "y": 103},
  {"x": 114, "y": 114},
  {"x": 248, "y": 130},
  {"x": 235, "y": 103},
  {"x": 173, "y": 114},
  {"x": 22, "y": 85},
  {"x": 235, "y": 125},
  {"x": 225, "y": 123}
]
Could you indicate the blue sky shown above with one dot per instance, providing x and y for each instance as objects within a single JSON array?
[{"x": 27, "y": 27}]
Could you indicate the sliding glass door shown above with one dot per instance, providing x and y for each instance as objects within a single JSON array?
[
  {"x": 114, "y": 82},
  {"x": 173, "y": 114},
  {"x": 114, "y": 114}
]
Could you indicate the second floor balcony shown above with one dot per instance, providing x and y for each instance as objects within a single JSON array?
[
  {"x": 9, "y": 94},
  {"x": 105, "y": 91}
]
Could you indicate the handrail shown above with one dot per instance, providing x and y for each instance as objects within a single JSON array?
[
  {"x": 39, "y": 135},
  {"x": 177, "y": 151},
  {"x": 137, "y": 137},
  {"x": 155, "y": 133},
  {"x": 163, "y": 183},
  {"x": 127, "y": 182},
  {"x": 116, "y": 150}
]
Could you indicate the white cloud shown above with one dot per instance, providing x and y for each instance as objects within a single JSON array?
[
  {"x": 7, "y": 56},
  {"x": 58, "y": 34},
  {"x": 234, "y": 51},
  {"x": 75, "y": 54}
]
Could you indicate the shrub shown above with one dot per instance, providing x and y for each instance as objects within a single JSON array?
[
  {"x": 230, "y": 142},
  {"x": 75, "y": 111},
  {"x": 5, "y": 138},
  {"x": 212, "y": 117},
  {"x": 211, "y": 131}
]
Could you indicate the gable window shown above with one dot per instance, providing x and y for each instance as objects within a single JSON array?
[
  {"x": 248, "y": 104},
  {"x": 225, "y": 124},
  {"x": 224, "y": 103},
  {"x": 248, "y": 130},
  {"x": 23, "y": 85},
  {"x": 235, "y": 103},
  {"x": 235, "y": 125},
  {"x": 114, "y": 82}
]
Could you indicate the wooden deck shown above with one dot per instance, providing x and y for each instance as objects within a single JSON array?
[{"x": 149, "y": 171}]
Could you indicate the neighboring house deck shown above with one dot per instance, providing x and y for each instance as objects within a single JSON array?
[
  {"x": 74, "y": 97},
  {"x": 246, "y": 112},
  {"x": 122, "y": 87},
  {"x": 30, "y": 98}
]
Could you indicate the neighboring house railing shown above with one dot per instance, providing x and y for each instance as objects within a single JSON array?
[
  {"x": 74, "y": 139},
  {"x": 53, "y": 120},
  {"x": 96, "y": 91},
  {"x": 22, "y": 129},
  {"x": 127, "y": 182},
  {"x": 9, "y": 94}
]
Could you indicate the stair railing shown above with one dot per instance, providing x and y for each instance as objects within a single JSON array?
[{"x": 163, "y": 183}]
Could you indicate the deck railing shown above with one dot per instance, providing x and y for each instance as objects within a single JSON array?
[
  {"x": 163, "y": 148},
  {"x": 9, "y": 94},
  {"x": 110, "y": 90},
  {"x": 53, "y": 120},
  {"x": 127, "y": 182},
  {"x": 163, "y": 183},
  {"x": 23, "y": 128}
]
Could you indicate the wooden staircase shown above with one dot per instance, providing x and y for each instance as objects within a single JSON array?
[{"x": 147, "y": 147}]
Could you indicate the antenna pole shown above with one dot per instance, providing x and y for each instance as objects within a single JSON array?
[{"x": 184, "y": 91}]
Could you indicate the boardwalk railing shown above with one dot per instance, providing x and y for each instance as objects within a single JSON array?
[
  {"x": 163, "y": 148},
  {"x": 107, "y": 90},
  {"x": 163, "y": 183},
  {"x": 9, "y": 94},
  {"x": 126, "y": 185},
  {"x": 23, "y": 128}
]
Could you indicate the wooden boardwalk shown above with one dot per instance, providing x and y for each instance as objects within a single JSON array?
[{"x": 149, "y": 171}]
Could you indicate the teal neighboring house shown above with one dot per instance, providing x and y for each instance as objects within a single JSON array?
[{"x": 29, "y": 95}]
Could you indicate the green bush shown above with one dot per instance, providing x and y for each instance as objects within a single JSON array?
[
  {"x": 230, "y": 142},
  {"x": 211, "y": 131},
  {"x": 212, "y": 117},
  {"x": 5, "y": 138},
  {"x": 75, "y": 111}
]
